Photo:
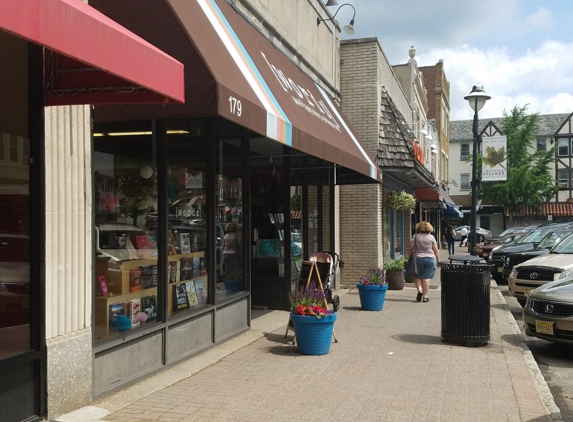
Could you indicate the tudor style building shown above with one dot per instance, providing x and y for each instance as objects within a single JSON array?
[{"x": 553, "y": 129}]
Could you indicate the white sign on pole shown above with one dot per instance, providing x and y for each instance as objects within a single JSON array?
[{"x": 494, "y": 159}]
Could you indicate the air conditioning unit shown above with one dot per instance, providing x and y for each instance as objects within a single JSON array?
[{"x": 464, "y": 157}]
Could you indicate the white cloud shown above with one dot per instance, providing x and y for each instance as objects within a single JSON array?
[
  {"x": 540, "y": 19},
  {"x": 539, "y": 77}
]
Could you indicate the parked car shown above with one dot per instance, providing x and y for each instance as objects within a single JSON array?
[
  {"x": 525, "y": 242},
  {"x": 548, "y": 312},
  {"x": 513, "y": 231},
  {"x": 485, "y": 250},
  {"x": 112, "y": 241},
  {"x": 483, "y": 234},
  {"x": 555, "y": 265},
  {"x": 14, "y": 279},
  {"x": 544, "y": 246}
]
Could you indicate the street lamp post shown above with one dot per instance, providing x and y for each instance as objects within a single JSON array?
[{"x": 477, "y": 99}]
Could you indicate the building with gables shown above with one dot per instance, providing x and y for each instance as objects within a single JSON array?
[{"x": 554, "y": 129}]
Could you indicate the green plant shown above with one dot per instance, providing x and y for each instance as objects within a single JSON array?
[
  {"x": 398, "y": 264},
  {"x": 374, "y": 276},
  {"x": 400, "y": 201}
]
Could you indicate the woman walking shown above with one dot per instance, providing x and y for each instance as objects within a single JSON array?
[
  {"x": 231, "y": 246},
  {"x": 451, "y": 239},
  {"x": 425, "y": 250}
]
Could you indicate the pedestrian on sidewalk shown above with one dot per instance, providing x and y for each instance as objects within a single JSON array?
[
  {"x": 451, "y": 239},
  {"x": 425, "y": 250},
  {"x": 464, "y": 236}
]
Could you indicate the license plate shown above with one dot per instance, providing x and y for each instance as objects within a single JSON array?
[
  {"x": 499, "y": 269},
  {"x": 543, "y": 327},
  {"x": 485, "y": 254},
  {"x": 527, "y": 291}
]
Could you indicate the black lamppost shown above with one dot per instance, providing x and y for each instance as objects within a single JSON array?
[{"x": 477, "y": 99}]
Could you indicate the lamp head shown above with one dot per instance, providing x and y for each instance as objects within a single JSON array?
[
  {"x": 477, "y": 97},
  {"x": 349, "y": 29},
  {"x": 331, "y": 3}
]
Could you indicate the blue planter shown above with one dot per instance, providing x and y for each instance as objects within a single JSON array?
[
  {"x": 233, "y": 285},
  {"x": 313, "y": 335},
  {"x": 372, "y": 297}
]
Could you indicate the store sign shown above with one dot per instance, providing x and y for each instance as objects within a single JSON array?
[
  {"x": 494, "y": 158},
  {"x": 303, "y": 97}
]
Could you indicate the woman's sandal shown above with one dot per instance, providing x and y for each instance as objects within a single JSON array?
[
  {"x": 419, "y": 297},
  {"x": 425, "y": 299}
]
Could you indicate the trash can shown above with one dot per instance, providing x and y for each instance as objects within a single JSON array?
[{"x": 465, "y": 281}]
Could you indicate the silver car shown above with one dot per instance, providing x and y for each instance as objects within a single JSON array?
[
  {"x": 483, "y": 234},
  {"x": 548, "y": 312}
]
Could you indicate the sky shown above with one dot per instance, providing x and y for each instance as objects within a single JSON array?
[{"x": 521, "y": 51}]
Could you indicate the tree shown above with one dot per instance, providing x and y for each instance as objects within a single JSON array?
[{"x": 529, "y": 180}]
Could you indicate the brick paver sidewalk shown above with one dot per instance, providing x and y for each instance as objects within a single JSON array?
[{"x": 387, "y": 366}]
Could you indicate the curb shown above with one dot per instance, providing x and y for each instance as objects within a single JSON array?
[{"x": 553, "y": 412}]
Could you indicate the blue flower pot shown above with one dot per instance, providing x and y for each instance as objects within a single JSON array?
[
  {"x": 313, "y": 335},
  {"x": 372, "y": 297},
  {"x": 233, "y": 285}
]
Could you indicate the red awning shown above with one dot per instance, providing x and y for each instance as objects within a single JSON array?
[
  {"x": 559, "y": 210},
  {"x": 234, "y": 71},
  {"x": 90, "y": 58}
]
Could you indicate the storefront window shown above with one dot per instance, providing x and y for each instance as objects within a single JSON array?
[
  {"x": 229, "y": 215},
  {"x": 15, "y": 283},
  {"x": 187, "y": 159},
  {"x": 398, "y": 233},
  {"x": 126, "y": 284}
]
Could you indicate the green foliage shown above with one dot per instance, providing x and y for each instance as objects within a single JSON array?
[
  {"x": 295, "y": 202},
  {"x": 398, "y": 264},
  {"x": 530, "y": 182},
  {"x": 400, "y": 201}
]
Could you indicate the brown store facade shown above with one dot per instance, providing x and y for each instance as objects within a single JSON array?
[{"x": 257, "y": 143}]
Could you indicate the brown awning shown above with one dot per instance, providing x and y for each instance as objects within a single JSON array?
[
  {"x": 233, "y": 71},
  {"x": 89, "y": 58}
]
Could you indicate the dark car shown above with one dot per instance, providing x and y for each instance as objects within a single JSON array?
[
  {"x": 485, "y": 250},
  {"x": 525, "y": 242},
  {"x": 544, "y": 246},
  {"x": 512, "y": 231}
]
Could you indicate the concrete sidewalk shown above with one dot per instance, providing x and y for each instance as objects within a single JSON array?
[{"x": 387, "y": 366}]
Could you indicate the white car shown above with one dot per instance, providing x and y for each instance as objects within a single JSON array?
[
  {"x": 555, "y": 265},
  {"x": 122, "y": 242},
  {"x": 483, "y": 234}
]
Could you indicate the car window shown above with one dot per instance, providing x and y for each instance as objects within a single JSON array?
[
  {"x": 532, "y": 236},
  {"x": 549, "y": 240},
  {"x": 564, "y": 246}
]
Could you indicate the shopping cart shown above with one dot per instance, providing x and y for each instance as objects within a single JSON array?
[{"x": 327, "y": 264}]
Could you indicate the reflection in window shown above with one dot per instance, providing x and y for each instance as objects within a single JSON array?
[
  {"x": 229, "y": 219},
  {"x": 188, "y": 278},
  {"x": 563, "y": 147},
  {"x": 126, "y": 285},
  {"x": 563, "y": 178},
  {"x": 465, "y": 181}
]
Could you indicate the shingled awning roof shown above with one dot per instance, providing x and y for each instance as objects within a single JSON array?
[{"x": 395, "y": 153}]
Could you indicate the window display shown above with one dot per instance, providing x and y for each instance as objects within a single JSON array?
[{"x": 126, "y": 277}]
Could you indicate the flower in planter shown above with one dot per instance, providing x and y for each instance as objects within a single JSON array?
[
  {"x": 374, "y": 277},
  {"x": 309, "y": 301},
  {"x": 400, "y": 201}
]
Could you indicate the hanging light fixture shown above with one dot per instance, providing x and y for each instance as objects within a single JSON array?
[
  {"x": 349, "y": 29},
  {"x": 331, "y": 3}
]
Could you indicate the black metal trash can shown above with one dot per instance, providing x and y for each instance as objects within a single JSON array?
[{"x": 465, "y": 284}]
